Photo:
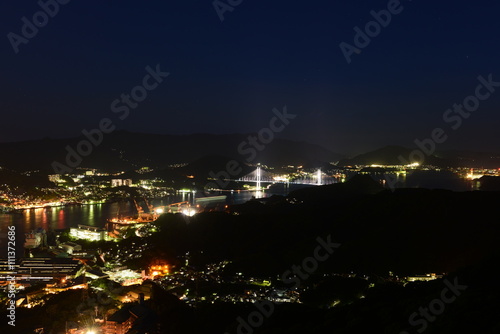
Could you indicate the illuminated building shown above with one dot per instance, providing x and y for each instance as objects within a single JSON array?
[
  {"x": 121, "y": 182},
  {"x": 56, "y": 178},
  {"x": 159, "y": 270},
  {"x": 91, "y": 233},
  {"x": 65, "y": 285},
  {"x": 70, "y": 247},
  {"x": 119, "y": 323},
  {"x": 139, "y": 318},
  {"x": 40, "y": 269}
]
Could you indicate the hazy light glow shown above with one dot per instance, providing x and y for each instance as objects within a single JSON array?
[{"x": 189, "y": 212}]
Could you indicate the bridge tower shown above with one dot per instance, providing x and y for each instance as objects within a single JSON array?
[
  {"x": 319, "y": 176},
  {"x": 259, "y": 177}
]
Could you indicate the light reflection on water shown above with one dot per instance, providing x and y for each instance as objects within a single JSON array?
[
  {"x": 97, "y": 214},
  {"x": 65, "y": 217},
  {"x": 57, "y": 218}
]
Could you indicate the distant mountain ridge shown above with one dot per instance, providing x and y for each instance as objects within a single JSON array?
[
  {"x": 390, "y": 155},
  {"x": 123, "y": 150}
]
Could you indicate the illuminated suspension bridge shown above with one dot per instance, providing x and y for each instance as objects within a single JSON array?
[{"x": 260, "y": 176}]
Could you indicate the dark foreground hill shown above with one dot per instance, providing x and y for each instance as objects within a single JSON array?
[{"x": 408, "y": 231}]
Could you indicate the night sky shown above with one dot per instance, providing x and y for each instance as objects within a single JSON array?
[{"x": 226, "y": 77}]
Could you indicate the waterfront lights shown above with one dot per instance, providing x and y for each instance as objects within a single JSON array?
[{"x": 189, "y": 212}]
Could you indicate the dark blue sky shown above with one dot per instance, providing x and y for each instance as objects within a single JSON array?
[{"x": 226, "y": 77}]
